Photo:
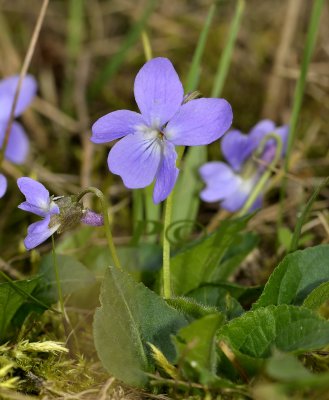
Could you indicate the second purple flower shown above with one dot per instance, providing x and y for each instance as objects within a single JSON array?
[{"x": 146, "y": 151}]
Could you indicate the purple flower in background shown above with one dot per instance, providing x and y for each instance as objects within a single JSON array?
[
  {"x": 18, "y": 144},
  {"x": 40, "y": 203},
  {"x": 146, "y": 151},
  {"x": 232, "y": 183},
  {"x": 3, "y": 185}
]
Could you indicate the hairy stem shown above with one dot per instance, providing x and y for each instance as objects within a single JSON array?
[
  {"x": 58, "y": 281},
  {"x": 107, "y": 226},
  {"x": 166, "y": 244}
]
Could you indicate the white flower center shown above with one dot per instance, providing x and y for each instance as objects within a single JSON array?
[{"x": 150, "y": 133}]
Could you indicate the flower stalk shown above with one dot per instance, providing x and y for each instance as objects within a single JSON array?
[
  {"x": 259, "y": 187},
  {"x": 107, "y": 226},
  {"x": 166, "y": 243},
  {"x": 58, "y": 281}
]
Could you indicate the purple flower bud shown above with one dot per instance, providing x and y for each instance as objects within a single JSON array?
[{"x": 92, "y": 218}]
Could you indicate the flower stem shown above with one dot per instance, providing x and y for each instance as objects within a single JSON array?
[
  {"x": 166, "y": 244},
  {"x": 166, "y": 248},
  {"x": 266, "y": 175},
  {"x": 147, "y": 46},
  {"x": 58, "y": 282},
  {"x": 107, "y": 226}
]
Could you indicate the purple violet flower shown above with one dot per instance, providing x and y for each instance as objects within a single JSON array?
[
  {"x": 40, "y": 203},
  {"x": 18, "y": 144},
  {"x": 232, "y": 183},
  {"x": 146, "y": 151}
]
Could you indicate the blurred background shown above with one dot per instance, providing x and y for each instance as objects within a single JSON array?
[{"x": 85, "y": 61}]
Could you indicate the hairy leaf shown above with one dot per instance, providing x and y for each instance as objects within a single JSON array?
[
  {"x": 296, "y": 276},
  {"x": 130, "y": 317},
  {"x": 285, "y": 327}
]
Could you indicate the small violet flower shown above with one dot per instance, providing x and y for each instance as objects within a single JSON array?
[
  {"x": 146, "y": 151},
  {"x": 232, "y": 183},
  {"x": 40, "y": 203},
  {"x": 59, "y": 213},
  {"x": 18, "y": 144}
]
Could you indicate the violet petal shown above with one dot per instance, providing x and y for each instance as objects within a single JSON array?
[
  {"x": 236, "y": 148},
  {"x": 7, "y": 93},
  {"x": 167, "y": 174},
  {"x": 115, "y": 125},
  {"x": 18, "y": 144},
  {"x": 136, "y": 159},
  {"x": 199, "y": 122},
  {"x": 220, "y": 181},
  {"x": 38, "y": 232},
  {"x": 158, "y": 91}
]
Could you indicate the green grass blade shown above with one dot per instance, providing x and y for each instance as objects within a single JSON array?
[
  {"x": 137, "y": 207},
  {"x": 115, "y": 62},
  {"x": 193, "y": 74},
  {"x": 304, "y": 215},
  {"x": 225, "y": 60},
  {"x": 300, "y": 88},
  {"x": 75, "y": 29},
  {"x": 186, "y": 197},
  {"x": 186, "y": 200},
  {"x": 299, "y": 93}
]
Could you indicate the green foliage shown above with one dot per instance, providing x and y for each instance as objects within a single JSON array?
[
  {"x": 72, "y": 273},
  {"x": 130, "y": 317},
  {"x": 219, "y": 297},
  {"x": 198, "y": 263},
  {"x": 304, "y": 215},
  {"x": 195, "y": 345},
  {"x": 317, "y": 297},
  {"x": 12, "y": 297},
  {"x": 296, "y": 276},
  {"x": 284, "y": 327},
  {"x": 242, "y": 245},
  {"x": 113, "y": 65},
  {"x": 191, "y": 308},
  {"x": 287, "y": 368}
]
